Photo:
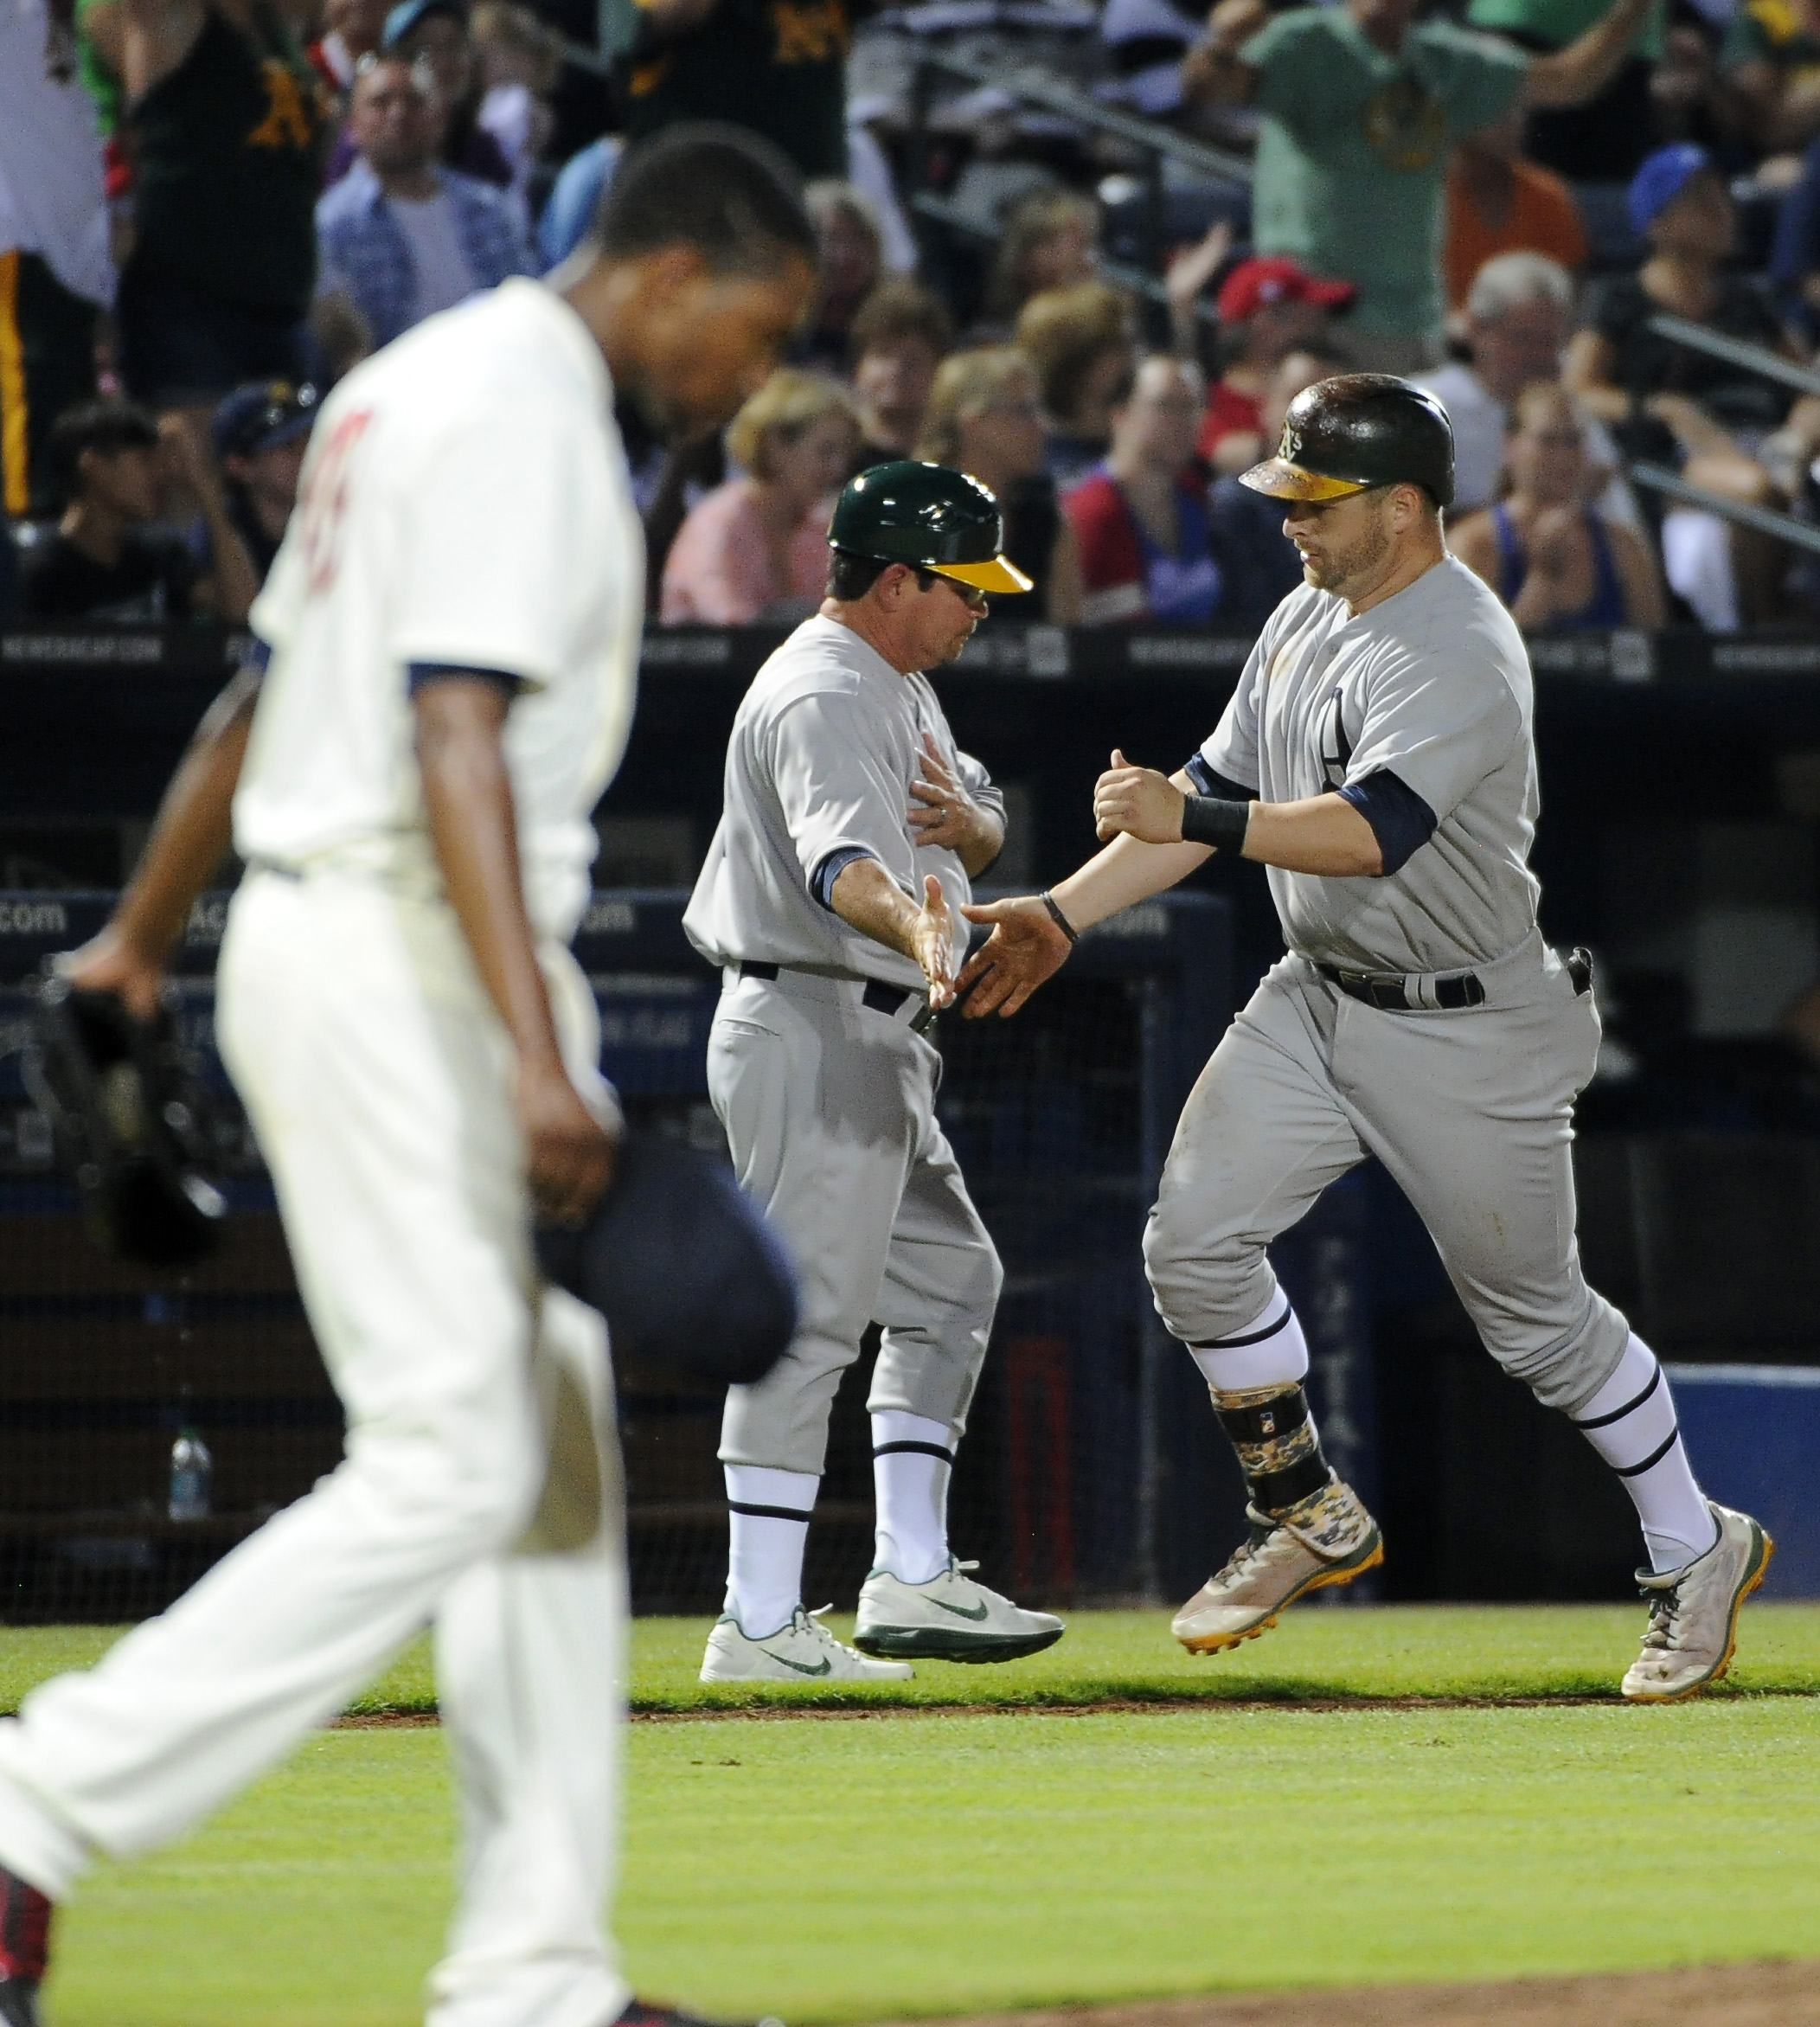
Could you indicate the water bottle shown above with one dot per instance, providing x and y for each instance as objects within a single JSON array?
[{"x": 191, "y": 1470}]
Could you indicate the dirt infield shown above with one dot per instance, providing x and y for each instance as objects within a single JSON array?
[{"x": 1743, "y": 1995}]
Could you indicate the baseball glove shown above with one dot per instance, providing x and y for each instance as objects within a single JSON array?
[
  {"x": 127, "y": 1118},
  {"x": 687, "y": 1274}
]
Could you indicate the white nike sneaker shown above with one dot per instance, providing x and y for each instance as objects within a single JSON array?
[
  {"x": 951, "y": 1618},
  {"x": 1693, "y": 1611},
  {"x": 803, "y": 1651},
  {"x": 1328, "y": 1539}
]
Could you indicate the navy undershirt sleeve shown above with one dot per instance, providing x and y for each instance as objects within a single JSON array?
[
  {"x": 1401, "y": 821},
  {"x": 828, "y": 871},
  {"x": 1207, "y": 782},
  {"x": 257, "y": 657},
  {"x": 422, "y": 673}
]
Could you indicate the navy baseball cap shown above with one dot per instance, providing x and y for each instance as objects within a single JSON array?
[
  {"x": 687, "y": 1272},
  {"x": 406, "y": 15},
  {"x": 1663, "y": 177},
  {"x": 262, "y": 415}
]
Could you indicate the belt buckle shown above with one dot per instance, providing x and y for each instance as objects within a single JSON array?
[{"x": 923, "y": 1019}]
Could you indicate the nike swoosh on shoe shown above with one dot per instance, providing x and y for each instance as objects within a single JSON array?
[
  {"x": 802, "y": 1668},
  {"x": 974, "y": 1612}
]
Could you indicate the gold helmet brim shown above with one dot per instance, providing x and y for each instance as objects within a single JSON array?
[
  {"x": 1282, "y": 480},
  {"x": 999, "y": 573}
]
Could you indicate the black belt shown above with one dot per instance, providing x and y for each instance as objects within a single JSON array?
[
  {"x": 1463, "y": 988},
  {"x": 880, "y": 997},
  {"x": 1391, "y": 994}
]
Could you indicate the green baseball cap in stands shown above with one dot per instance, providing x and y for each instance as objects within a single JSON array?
[
  {"x": 1355, "y": 431},
  {"x": 929, "y": 517}
]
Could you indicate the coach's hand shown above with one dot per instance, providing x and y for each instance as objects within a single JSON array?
[
  {"x": 1138, "y": 801},
  {"x": 568, "y": 1154},
  {"x": 1025, "y": 948},
  {"x": 932, "y": 942}
]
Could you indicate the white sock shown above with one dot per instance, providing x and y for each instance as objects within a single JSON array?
[
  {"x": 1631, "y": 1423},
  {"x": 1269, "y": 1351},
  {"x": 912, "y": 1488},
  {"x": 768, "y": 1519}
]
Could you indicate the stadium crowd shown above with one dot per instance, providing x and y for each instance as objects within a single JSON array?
[{"x": 211, "y": 210}]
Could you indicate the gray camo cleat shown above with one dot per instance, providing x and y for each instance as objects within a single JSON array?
[{"x": 1328, "y": 1538}]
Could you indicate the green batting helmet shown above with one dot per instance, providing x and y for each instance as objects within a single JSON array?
[
  {"x": 1355, "y": 431},
  {"x": 929, "y": 517}
]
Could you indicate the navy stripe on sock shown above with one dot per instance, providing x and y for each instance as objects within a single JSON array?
[
  {"x": 1255, "y": 1338},
  {"x": 1630, "y": 1407},
  {"x": 1656, "y": 1455},
  {"x": 770, "y": 1512},
  {"x": 920, "y": 1449}
]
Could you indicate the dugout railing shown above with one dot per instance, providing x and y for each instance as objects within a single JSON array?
[{"x": 1090, "y": 1470}]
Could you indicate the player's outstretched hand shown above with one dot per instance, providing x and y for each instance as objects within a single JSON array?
[
  {"x": 109, "y": 963},
  {"x": 1024, "y": 948},
  {"x": 569, "y": 1155},
  {"x": 931, "y": 941},
  {"x": 1138, "y": 802}
]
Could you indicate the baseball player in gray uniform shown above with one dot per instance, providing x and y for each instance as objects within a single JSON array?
[
  {"x": 1377, "y": 756},
  {"x": 831, "y": 898}
]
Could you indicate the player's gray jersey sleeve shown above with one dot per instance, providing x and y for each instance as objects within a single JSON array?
[
  {"x": 1230, "y": 749},
  {"x": 978, "y": 784},
  {"x": 833, "y": 785},
  {"x": 1440, "y": 722}
]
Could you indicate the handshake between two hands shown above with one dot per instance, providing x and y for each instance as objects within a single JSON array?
[{"x": 1028, "y": 946}]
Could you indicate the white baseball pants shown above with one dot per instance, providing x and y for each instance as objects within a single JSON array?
[{"x": 480, "y": 1488}]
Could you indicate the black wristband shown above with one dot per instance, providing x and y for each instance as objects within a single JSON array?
[
  {"x": 1208, "y": 819},
  {"x": 1056, "y": 916}
]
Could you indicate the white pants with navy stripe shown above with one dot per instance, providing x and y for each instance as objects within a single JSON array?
[{"x": 480, "y": 1491}]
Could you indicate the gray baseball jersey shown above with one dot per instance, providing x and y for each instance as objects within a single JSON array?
[
  {"x": 1432, "y": 685},
  {"x": 824, "y": 752}
]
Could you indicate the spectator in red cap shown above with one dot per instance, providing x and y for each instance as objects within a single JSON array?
[{"x": 1268, "y": 308}]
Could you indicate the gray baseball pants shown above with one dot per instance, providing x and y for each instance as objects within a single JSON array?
[
  {"x": 1471, "y": 1112},
  {"x": 829, "y": 1107}
]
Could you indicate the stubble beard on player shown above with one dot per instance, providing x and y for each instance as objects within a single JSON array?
[{"x": 1346, "y": 571}]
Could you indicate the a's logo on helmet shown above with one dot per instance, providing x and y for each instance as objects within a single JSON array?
[{"x": 1290, "y": 447}]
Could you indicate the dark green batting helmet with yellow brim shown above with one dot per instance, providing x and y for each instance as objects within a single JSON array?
[
  {"x": 1357, "y": 431},
  {"x": 929, "y": 517}
]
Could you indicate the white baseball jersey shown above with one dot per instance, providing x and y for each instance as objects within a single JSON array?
[
  {"x": 826, "y": 747},
  {"x": 466, "y": 502},
  {"x": 1433, "y": 686}
]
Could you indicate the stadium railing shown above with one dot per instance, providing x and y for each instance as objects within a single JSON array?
[
  {"x": 1029, "y": 85},
  {"x": 1768, "y": 365}
]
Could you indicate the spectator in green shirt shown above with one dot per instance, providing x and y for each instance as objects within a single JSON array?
[{"x": 1361, "y": 104}]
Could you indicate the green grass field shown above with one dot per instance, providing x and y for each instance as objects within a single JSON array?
[{"x": 848, "y": 1871}]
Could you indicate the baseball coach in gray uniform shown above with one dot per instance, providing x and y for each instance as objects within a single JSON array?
[
  {"x": 831, "y": 898},
  {"x": 1377, "y": 756}
]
